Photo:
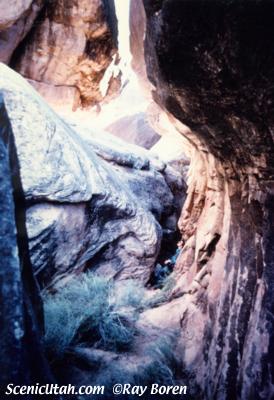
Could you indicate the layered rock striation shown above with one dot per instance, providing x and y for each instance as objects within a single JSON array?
[
  {"x": 91, "y": 203},
  {"x": 63, "y": 48},
  {"x": 211, "y": 64}
]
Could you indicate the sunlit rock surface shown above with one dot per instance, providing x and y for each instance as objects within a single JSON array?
[
  {"x": 211, "y": 64},
  {"x": 67, "y": 51},
  {"x": 135, "y": 129},
  {"x": 16, "y": 20},
  {"x": 91, "y": 203}
]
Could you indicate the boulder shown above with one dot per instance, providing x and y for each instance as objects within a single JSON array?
[{"x": 91, "y": 203}]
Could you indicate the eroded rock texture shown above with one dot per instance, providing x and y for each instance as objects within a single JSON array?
[
  {"x": 16, "y": 20},
  {"x": 67, "y": 50},
  {"x": 22, "y": 361},
  {"x": 211, "y": 63},
  {"x": 90, "y": 204}
]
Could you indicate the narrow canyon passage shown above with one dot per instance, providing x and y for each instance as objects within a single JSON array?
[{"x": 144, "y": 134}]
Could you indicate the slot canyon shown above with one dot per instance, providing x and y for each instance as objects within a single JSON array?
[{"x": 137, "y": 195}]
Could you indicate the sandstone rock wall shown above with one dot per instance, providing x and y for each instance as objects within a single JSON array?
[
  {"x": 16, "y": 20},
  {"x": 62, "y": 47},
  {"x": 211, "y": 64}
]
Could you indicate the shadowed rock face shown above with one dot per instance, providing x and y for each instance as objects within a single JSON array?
[
  {"x": 67, "y": 50},
  {"x": 221, "y": 67},
  {"x": 20, "y": 306},
  {"x": 211, "y": 64},
  {"x": 93, "y": 201}
]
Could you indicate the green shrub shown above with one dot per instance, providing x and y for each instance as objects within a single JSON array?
[
  {"x": 67, "y": 310},
  {"x": 61, "y": 325},
  {"x": 95, "y": 311},
  {"x": 90, "y": 309},
  {"x": 129, "y": 293},
  {"x": 163, "y": 365},
  {"x": 159, "y": 366},
  {"x": 117, "y": 331},
  {"x": 161, "y": 295},
  {"x": 162, "y": 348}
]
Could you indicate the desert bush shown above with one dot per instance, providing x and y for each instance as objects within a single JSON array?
[
  {"x": 162, "y": 295},
  {"x": 95, "y": 311},
  {"x": 129, "y": 293},
  {"x": 61, "y": 325},
  {"x": 157, "y": 364},
  {"x": 163, "y": 363},
  {"x": 91, "y": 309}
]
